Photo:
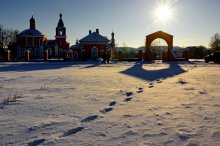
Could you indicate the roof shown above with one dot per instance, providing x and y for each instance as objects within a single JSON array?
[
  {"x": 75, "y": 46},
  {"x": 60, "y": 23},
  {"x": 51, "y": 43},
  {"x": 94, "y": 37},
  {"x": 32, "y": 20},
  {"x": 32, "y": 32},
  {"x": 160, "y": 32}
]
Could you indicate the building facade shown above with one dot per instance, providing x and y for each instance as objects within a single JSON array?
[
  {"x": 91, "y": 46},
  {"x": 31, "y": 39}
]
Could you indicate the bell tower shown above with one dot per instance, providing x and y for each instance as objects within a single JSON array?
[{"x": 61, "y": 33}]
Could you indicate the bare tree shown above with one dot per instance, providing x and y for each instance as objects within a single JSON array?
[
  {"x": 7, "y": 37},
  {"x": 1, "y": 36},
  {"x": 1, "y": 41},
  {"x": 215, "y": 42}
]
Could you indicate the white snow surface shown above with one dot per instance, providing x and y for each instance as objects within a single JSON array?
[{"x": 117, "y": 104}]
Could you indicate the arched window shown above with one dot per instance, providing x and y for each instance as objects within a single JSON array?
[
  {"x": 31, "y": 51},
  {"x": 49, "y": 52},
  {"x": 75, "y": 55},
  {"x": 60, "y": 51},
  {"x": 94, "y": 53},
  {"x": 36, "y": 52},
  {"x": 56, "y": 51},
  {"x": 22, "y": 52}
]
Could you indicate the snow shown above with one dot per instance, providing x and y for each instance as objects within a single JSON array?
[{"x": 124, "y": 103}]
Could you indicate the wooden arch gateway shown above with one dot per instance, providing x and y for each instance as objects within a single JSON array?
[{"x": 167, "y": 56}]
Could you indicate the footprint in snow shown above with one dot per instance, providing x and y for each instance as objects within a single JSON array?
[
  {"x": 129, "y": 93},
  {"x": 168, "y": 113},
  {"x": 187, "y": 105},
  {"x": 168, "y": 142},
  {"x": 192, "y": 144},
  {"x": 128, "y": 116},
  {"x": 140, "y": 90},
  {"x": 151, "y": 86},
  {"x": 216, "y": 134},
  {"x": 159, "y": 81},
  {"x": 106, "y": 110},
  {"x": 112, "y": 103},
  {"x": 36, "y": 142},
  {"x": 72, "y": 131},
  {"x": 127, "y": 99},
  {"x": 183, "y": 136},
  {"x": 89, "y": 118}
]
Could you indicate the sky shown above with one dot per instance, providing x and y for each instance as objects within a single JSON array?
[{"x": 191, "y": 22}]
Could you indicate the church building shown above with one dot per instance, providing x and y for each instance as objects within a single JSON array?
[
  {"x": 31, "y": 39},
  {"x": 92, "y": 46},
  {"x": 59, "y": 45}
]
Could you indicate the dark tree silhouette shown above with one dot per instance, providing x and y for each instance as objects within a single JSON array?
[
  {"x": 7, "y": 38},
  {"x": 215, "y": 42},
  {"x": 198, "y": 52}
]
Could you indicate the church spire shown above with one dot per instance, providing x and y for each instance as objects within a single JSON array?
[
  {"x": 60, "y": 23},
  {"x": 60, "y": 29},
  {"x": 32, "y": 23}
]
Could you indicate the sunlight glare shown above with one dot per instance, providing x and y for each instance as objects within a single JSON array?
[{"x": 163, "y": 13}]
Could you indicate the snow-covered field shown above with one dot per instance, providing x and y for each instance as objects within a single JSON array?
[{"x": 118, "y": 104}]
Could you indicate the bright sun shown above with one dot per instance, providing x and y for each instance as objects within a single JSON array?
[{"x": 163, "y": 13}]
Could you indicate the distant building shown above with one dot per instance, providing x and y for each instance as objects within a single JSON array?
[
  {"x": 92, "y": 46},
  {"x": 31, "y": 39},
  {"x": 36, "y": 42},
  {"x": 59, "y": 45}
]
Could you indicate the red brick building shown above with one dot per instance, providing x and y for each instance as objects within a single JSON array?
[
  {"x": 92, "y": 46},
  {"x": 31, "y": 39},
  {"x": 36, "y": 42}
]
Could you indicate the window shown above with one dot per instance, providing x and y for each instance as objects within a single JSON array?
[
  {"x": 94, "y": 53},
  {"x": 30, "y": 41},
  {"x": 60, "y": 32},
  {"x": 49, "y": 52}
]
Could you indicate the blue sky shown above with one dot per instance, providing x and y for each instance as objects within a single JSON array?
[{"x": 193, "y": 22}]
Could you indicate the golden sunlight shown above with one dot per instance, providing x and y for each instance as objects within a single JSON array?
[{"x": 163, "y": 13}]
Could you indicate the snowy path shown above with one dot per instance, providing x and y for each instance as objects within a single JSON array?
[{"x": 115, "y": 104}]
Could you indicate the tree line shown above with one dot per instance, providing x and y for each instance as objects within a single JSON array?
[
  {"x": 7, "y": 38},
  {"x": 196, "y": 52}
]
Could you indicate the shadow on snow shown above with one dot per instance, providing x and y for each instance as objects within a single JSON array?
[
  {"x": 34, "y": 66},
  {"x": 152, "y": 75}
]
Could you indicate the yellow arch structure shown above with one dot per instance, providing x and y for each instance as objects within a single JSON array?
[{"x": 168, "y": 56}]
